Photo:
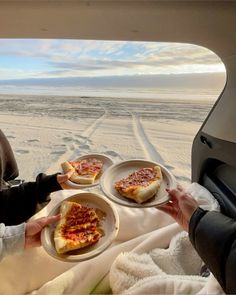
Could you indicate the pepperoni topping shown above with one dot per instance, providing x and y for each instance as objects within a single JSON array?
[
  {"x": 142, "y": 177},
  {"x": 88, "y": 166},
  {"x": 81, "y": 225},
  {"x": 83, "y": 237},
  {"x": 81, "y": 215}
]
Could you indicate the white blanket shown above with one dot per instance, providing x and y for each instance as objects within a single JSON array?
[
  {"x": 174, "y": 270},
  {"x": 143, "y": 232}
]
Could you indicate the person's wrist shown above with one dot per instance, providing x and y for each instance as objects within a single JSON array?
[{"x": 191, "y": 212}]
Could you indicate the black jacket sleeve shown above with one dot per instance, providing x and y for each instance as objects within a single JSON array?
[
  {"x": 19, "y": 203},
  {"x": 214, "y": 237}
]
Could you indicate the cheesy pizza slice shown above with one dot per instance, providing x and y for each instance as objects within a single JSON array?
[
  {"x": 85, "y": 171},
  {"x": 79, "y": 227},
  {"x": 141, "y": 185}
]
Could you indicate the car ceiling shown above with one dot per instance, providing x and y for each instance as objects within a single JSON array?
[{"x": 207, "y": 23}]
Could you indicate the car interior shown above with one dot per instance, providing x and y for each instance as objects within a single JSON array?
[{"x": 209, "y": 24}]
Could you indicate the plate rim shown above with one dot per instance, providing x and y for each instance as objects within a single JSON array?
[
  {"x": 77, "y": 185},
  {"x": 134, "y": 204},
  {"x": 94, "y": 252}
]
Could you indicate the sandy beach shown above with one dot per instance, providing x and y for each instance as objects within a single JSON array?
[{"x": 47, "y": 130}]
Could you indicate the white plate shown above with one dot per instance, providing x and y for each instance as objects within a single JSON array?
[
  {"x": 109, "y": 224},
  {"x": 122, "y": 170},
  {"x": 107, "y": 162}
]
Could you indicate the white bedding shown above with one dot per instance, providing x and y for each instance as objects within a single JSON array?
[{"x": 143, "y": 234}]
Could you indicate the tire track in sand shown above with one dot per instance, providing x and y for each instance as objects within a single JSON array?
[
  {"x": 91, "y": 129},
  {"x": 71, "y": 151},
  {"x": 148, "y": 148}
]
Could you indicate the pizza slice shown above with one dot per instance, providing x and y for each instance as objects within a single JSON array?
[
  {"x": 140, "y": 185},
  {"x": 79, "y": 227},
  {"x": 85, "y": 171}
]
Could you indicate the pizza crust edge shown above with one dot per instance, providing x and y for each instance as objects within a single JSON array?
[
  {"x": 75, "y": 177},
  {"x": 142, "y": 194},
  {"x": 61, "y": 244}
]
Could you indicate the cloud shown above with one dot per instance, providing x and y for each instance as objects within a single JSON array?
[{"x": 105, "y": 58}]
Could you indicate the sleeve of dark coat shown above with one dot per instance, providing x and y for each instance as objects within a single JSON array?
[
  {"x": 214, "y": 237},
  {"x": 17, "y": 204}
]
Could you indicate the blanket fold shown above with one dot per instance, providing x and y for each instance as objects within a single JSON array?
[{"x": 175, "y": 265}]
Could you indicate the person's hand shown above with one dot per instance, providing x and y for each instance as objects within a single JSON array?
[
  {"x": 62, "y": 178},
  {"x": 181, "y": 206},
  {"x": 34, "y": 227}
]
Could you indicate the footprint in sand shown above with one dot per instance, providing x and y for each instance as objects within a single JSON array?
[
  {"x": 67, "y": 139},
  {"x": 60, "y": 146},
  {"x": 32, "y": 140},
  {"x": 84, "y": 147},
  {"x": 82, "y": 141},
  {"x": 78, "y": 141},
  {"x": 113, "y": 154},
  {"x": 81, "y": 137},
  {"x": 21, "y": 152},
  {"x": 57, "y": 153}
]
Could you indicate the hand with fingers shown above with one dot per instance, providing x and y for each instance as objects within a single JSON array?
[
  {"x": 181, "y": 206},
  {"x": 62, "y": 178},
  {"x": 34, "y": 227}
]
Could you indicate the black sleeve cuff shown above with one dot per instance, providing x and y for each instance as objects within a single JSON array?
[
  {"x": 194, "y": 220},
  {"x": 46, "y": 185}
]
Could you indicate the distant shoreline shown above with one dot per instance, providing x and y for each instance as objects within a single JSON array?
[{"x": 208, "y": 96}]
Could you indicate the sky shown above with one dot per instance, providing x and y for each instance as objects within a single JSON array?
[{"x": 85, "y": 63}]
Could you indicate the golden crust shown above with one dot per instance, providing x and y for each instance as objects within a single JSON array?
[
  {"x": 79, "y": 178},
  {"x": 76, "y": 233},
  {"x": 138, "y": 192}
]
